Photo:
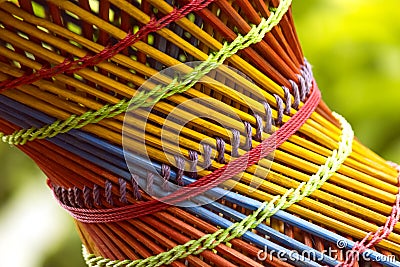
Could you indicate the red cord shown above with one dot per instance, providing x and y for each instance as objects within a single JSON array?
[
  {"x": 379, "y": 235},
  {"x": 207, "y": 182},
  {"x": 71, "y": 66}
]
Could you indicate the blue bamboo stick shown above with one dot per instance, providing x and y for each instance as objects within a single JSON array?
[{"x": 19, "y": 114}]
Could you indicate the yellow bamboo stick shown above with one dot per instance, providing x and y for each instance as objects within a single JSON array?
[
  {"x": 313, "y": 133},
  {"x": 359, "y": 172},
  {"x": 217, "y": 130},
  {"x": 327, "y": 129},
  {"x": 153, "y": 141}
]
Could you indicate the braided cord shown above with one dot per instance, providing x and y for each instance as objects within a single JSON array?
[
  {"x": 207, "y": 182},
  {"x": 331, "y": 165},
  {"x": 266, "y": 210},
  {"x": 373, "y": 238},
  {"x": 147, "y": 99},
  {"x": 70, "y": 66}
]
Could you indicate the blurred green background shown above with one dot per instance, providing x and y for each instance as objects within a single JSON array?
[{"x": 354, "y": 47}]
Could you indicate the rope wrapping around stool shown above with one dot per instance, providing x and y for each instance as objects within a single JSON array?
[
  {"x": 148, "y": 99},
  {"x": 380, "y": 234},
  {"x": 71, "y": 66},
  {"x": 228, "y": 170},
  {"x": 266, "y": 210}
]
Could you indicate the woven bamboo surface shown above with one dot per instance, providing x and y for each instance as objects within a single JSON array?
[{"x": 38, "y": 34}]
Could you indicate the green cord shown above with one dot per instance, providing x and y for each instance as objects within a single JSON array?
[
  {"x": 142, "y": 99},
  {"x": 266, "y": 210}
]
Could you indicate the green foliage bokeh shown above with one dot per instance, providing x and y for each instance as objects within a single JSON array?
[{"x": 354, "y": 47}]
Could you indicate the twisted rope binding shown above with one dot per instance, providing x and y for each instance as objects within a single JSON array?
[
  {"x": 142, "y": 99},
  {"x": 380, "y": 234},
  {"x": 71, "y": 66},
  {"x": 207, "y": 182},
  {"x": 266, "y": 210}
]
